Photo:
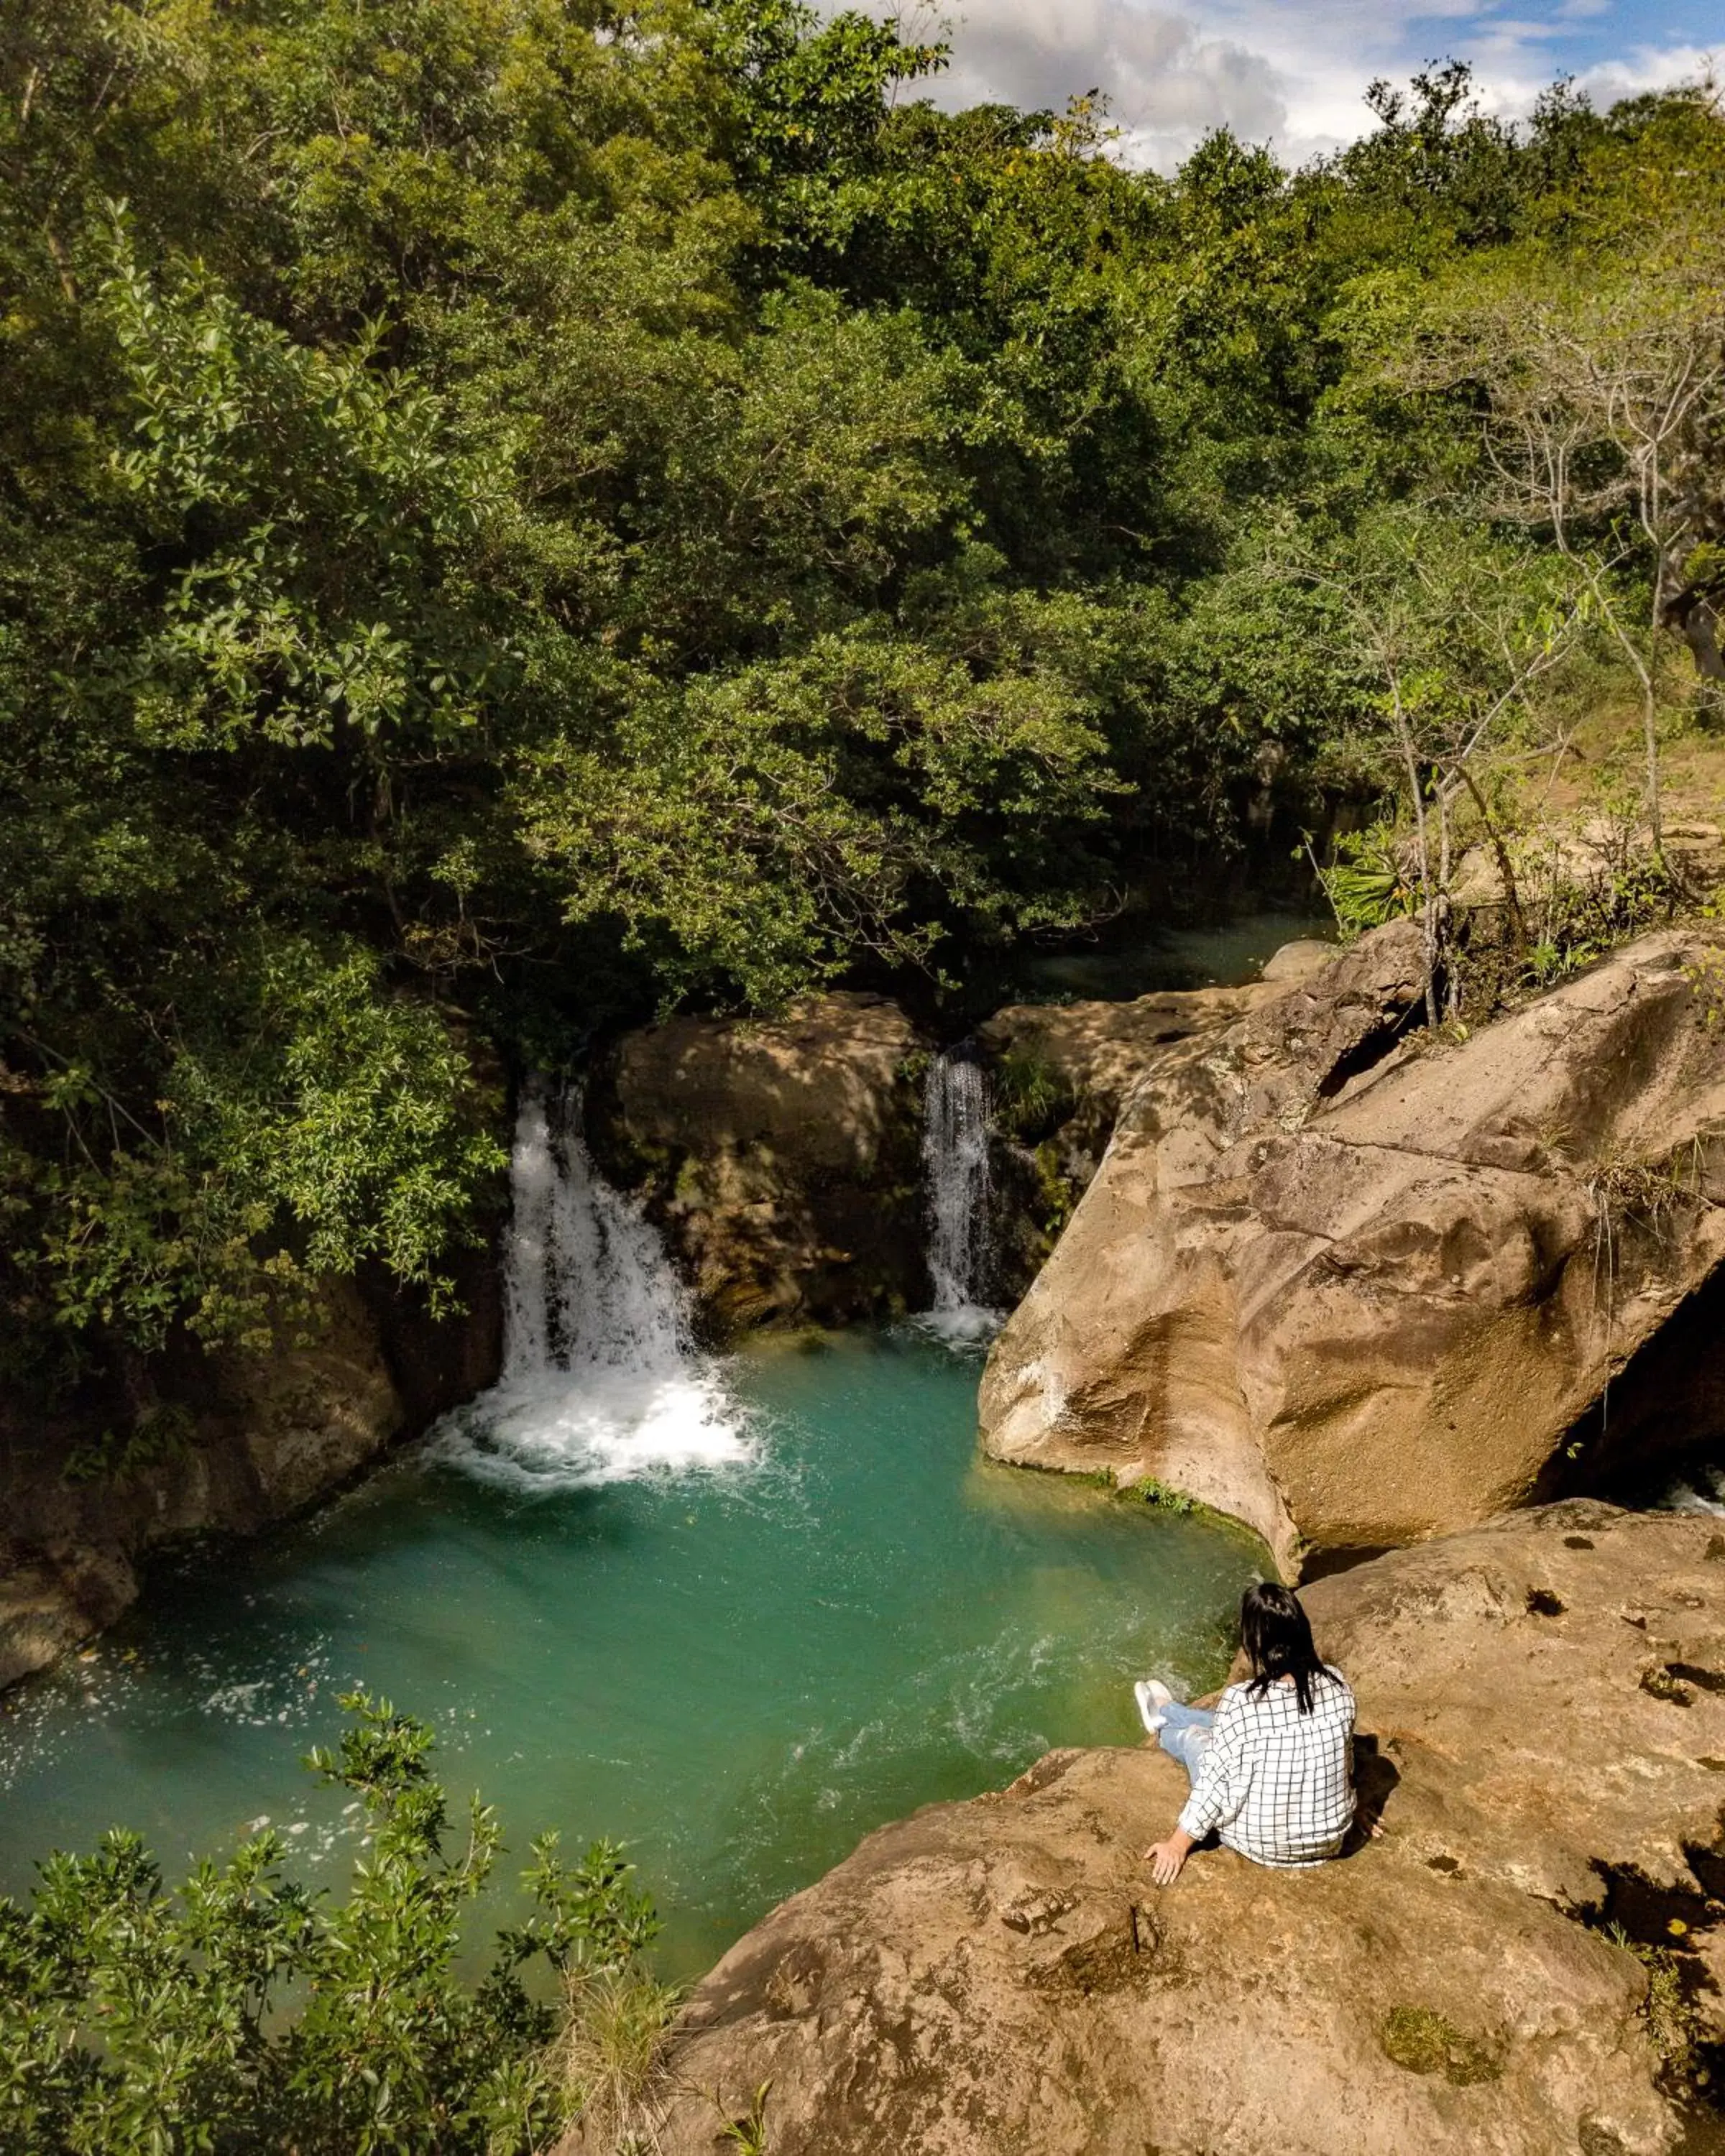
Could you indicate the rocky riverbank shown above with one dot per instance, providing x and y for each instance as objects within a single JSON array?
[
  {"x": 1524, "y": 1963},
  {"x": 226, "y": 1444}
]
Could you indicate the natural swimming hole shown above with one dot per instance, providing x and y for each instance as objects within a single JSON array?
[{"x": 738, "y": 1664}]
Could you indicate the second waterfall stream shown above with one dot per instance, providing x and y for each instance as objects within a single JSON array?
[
  {"x": 602, "y": 1380},
  {"x": 955, "y": 1159}
]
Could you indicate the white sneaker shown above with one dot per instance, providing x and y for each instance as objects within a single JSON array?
[{"x": 1152, "y": 1695}]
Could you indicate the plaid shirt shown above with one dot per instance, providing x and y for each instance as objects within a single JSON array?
[{"x": 1275, "y": 1784}]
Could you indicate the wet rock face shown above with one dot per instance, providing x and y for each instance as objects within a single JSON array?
[
  {"x": 1001, "y": 1976},
  {"x": 1356, "y": 1286},
  {"x": 236, "y": 1442},
  {"x": 782, "y": 1157}
]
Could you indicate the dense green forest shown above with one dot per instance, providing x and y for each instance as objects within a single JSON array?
[{"x": 520, "y": 513}]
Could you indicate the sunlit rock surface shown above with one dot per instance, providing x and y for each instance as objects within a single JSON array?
[
  {"x": 1357, "y": 1285},
  {"x": 1543, "y": 1701}
]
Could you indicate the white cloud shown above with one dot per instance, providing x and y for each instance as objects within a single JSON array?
[
  {"x": 1647, "y": 67},
  {"x": 1166, "y": 81},
  {"x": 1291, "y": 72}
]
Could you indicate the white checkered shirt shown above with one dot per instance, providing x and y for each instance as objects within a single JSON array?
[{"x": 1276, "y": 1784}]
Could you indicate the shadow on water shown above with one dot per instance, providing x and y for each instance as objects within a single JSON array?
[{"x": 1139, "y": 960}]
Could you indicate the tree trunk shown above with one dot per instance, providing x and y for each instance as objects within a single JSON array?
[
  {"x": 1506, "y": 868},
  {"x": 1427, "y": 892},
  {"x": 1649, "y": 712}
]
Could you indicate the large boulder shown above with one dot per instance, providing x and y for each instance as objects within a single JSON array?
[
  {"x": 782, "y": 1157},
  {"x": 1095, "y": 1053},
  {"x": 1356, "y": 1284},
  {"x": 1520, "y": 1966},
  {"x": 1091, "y": 1054}
]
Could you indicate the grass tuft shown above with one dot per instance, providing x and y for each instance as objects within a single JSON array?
[
  {"x": 1671, "y": 2019},
  {"x": 1425, "y": 2043},
  {"x": 611, "y": 2057}
]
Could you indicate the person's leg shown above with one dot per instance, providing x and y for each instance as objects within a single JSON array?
[{"x": 1185, "y": 1735}]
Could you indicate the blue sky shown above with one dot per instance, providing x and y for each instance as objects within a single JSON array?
[{"x": 1291, "y": 71}]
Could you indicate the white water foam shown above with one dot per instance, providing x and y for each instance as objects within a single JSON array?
[
  {"x": 955, "y": 1155},
  {"x": 602, "y": 1381},
  {"x": 1702, "y": 1492}
]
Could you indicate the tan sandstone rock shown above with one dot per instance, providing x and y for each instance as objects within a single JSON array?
[
  {"x": 1098, "y": 1050},
  {"x": 1355, "y": 1286},
  {"x": 1544, "y": 1704},
  {"x": 1061, "y": 1071},
  {"x": 781, "y": 1156}
]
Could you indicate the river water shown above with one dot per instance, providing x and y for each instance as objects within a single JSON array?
[{"x": 734, "y": 1612}]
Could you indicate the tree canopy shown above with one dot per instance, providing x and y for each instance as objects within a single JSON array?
[{"x": 517, "y": 514}]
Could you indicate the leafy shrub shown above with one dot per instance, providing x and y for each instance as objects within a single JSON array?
[
  {"x": 1030, "y": 1097},
  {"x": 1164, "y": 1498},
  {"x": 1369, "y": 882},
  {"x": 1573, "y": 920},
  {"x": 241, "y": 2012},
  {"x": 157, "y": 1435},
  {"x": 1056, "y": 1199}
]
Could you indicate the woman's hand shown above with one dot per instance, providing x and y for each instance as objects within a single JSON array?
[{"x": 1167, "y": 1858}]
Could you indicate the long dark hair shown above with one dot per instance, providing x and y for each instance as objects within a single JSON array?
[{"x": 1277, "y": 1635}]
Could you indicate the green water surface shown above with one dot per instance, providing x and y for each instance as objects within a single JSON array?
[{"x": 739, "y": 1671}]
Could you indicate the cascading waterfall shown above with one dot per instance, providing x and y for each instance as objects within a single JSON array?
[
  {"x": 955, "y": 1154},
  {"x": 602, "y": 1381},
  {"x": 1702, "y": 1490}
]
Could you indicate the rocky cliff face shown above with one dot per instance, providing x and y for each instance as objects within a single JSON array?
[
  {"x": 1060, "y": 1073},
  {"x": 783, "y": 1158},
  {"x": 1543, "y": 1707},
  {"x": 1357, "y": 1285},
  {"x": 236, "y": 1442}
]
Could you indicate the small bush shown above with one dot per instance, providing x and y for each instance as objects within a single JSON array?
[
  {"x": 1573, "y": 920},
  {"x": 1671, "y": 2019},
  {"x": 159, "y": 1435},
  {"x": 1370, "y": 880},
  {"x": 1056, "y": 1200},
  {"x": 240, "y": 2012},
  {"x": 1030, "y": 1097},
  {"x": 1150, "y": 1491}
]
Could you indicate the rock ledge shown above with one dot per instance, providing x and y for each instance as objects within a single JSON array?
[{"x": 1543, "y": 1701}]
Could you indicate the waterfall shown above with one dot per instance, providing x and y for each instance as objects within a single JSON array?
[
  {"x": 1702, "y": 1490},
  {"x": 602, "y": 1381},
  {"x": 955, "y": 1155}
]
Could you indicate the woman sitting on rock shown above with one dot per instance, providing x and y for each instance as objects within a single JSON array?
[{"x": 1271, "y": 1765}]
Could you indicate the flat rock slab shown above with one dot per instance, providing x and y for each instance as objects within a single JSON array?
[{"x": 1544, "y": 1702}]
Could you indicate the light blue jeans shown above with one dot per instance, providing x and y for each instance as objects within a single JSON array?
[{"x": 1185, "y": 1735}]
